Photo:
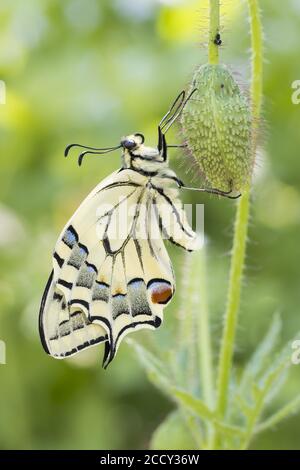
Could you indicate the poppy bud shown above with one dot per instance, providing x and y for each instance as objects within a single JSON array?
[{"x": 217, "y": 128}]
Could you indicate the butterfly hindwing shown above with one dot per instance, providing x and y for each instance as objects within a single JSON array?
[
  {"x": 173, "y": 221},
  {"x": 65, "y": 331},
  {"x": 107, "y": 282}
]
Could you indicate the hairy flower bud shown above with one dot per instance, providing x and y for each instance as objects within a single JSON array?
[{"x": 217, "y": 128}]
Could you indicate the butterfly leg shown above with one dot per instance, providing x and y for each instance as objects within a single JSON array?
[
  {"x": 216, "y": 191},
  {"x": 180, "y": 146}
]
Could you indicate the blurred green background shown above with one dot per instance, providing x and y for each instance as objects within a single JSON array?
[{"x": 89, "y": 71}]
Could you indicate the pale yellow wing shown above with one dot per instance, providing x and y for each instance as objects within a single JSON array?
[{"x": 106, "y": 281}]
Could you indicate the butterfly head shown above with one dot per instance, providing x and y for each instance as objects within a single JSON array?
[
  {"x": 136, "y": 154},
  {"x": 132, "y": 142}
]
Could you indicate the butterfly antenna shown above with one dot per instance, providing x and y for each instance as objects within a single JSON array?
[
  {"x": 100, "y": 150},
  {"x": 91, "y": 150}
]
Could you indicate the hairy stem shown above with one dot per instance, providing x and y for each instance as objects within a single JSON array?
[
  {"x": 214, "y": 28},
  {"x": 257, "y": 62},
  {"x": 240, "y": 228},
  {"x": 233, "y": 301}
]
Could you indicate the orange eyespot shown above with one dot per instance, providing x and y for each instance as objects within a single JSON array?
[{"x": 161, "y": 291}]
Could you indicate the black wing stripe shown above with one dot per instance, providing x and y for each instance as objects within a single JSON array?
[
  {"x": 42, "y": 307},
  {"x": 165, "y": 233},
  {"x": 58, "y": 259},
  {"x": 110, "y": 211},
  {"x": 119, "y": 184},
  {"x": 85, "y": 345},
  {"x": 64, "y": 283},
  {"x": 174, "y": 210},
  {"x": 84, "y": 303}
]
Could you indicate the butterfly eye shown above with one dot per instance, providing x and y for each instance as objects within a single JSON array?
[{"x": 128, "y": 144}]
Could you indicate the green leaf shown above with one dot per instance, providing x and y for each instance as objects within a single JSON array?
[
  {"x": 291, "y": 408},
  {"x": 274, "y": 376},
  {"x": 229, "y": 430},
  {"x": 173, "y": 434},
  {"x": 156, "y": 370},
  {"x": 244, "y": 406},
  {"x": 198, "y": 407},
  {"x": 261, "y": 357},
  {"x": 265, "y": 388},
  {"x": 192, "y": 403},
  {"x": 159, "y": 376}
]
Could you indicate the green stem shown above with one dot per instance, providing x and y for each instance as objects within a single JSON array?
[
  {"x": 204, "y": 341},
  {"x": 240, "y": 228},
  {"x": 233, "y": 301},
  {"x": 214, "y": 29},
  {"x": 204, "y": 336},
  {"x": 257, "y": 62}
]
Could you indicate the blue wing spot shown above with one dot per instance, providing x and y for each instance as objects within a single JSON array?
[{"x": 70, "y": 237}]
